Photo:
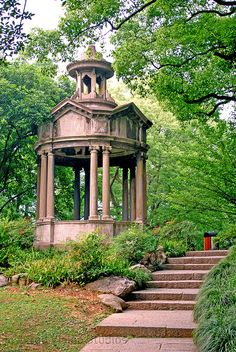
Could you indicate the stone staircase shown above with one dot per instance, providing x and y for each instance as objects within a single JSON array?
[{"x": 160, "y": 317}]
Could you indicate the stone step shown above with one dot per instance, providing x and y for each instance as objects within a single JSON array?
[
  {"x": 210, "y": 253},
  {"x": 173, "y": 275},
  {"x": 175, "y": 284},
  {"x": 145, "y": 323},
  {"x": 188, "y": 294},
  {"x": 161, "y": 305},
  {"x": 195, "y": 260},
  {"x": 124, "y": 344},
  {"x": 189, "y": 266}
]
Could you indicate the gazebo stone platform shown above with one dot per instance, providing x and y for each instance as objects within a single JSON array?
[{"x": 88, "y": 131}]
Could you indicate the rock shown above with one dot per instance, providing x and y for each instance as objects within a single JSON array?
[
  {"x": 3, "y": 281},
  {"x": 118, "y": 286},
  {"x": 23, "y": 281},
  {"x": 116, "y": 303},
  {"x": 154, "y": 260},
  {"x": 34, "y": 285},
  {"x": 140, "y": 266},
  {"x": 15, "y": 278}
]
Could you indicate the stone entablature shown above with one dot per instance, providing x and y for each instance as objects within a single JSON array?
[{"x": 88, "y": 131}]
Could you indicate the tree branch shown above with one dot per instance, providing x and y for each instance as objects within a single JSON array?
[
  {"x": 209, "y": 96},
  {"x": 14, "y": 197},
  {"x": 160, "y": 66},
  {"x": 115, "y": 28},
  {"x": 227, "y": 57},
  {"x": 225, "y": 3},
  {"x": 221, "y": 14},
  {"x": 216, "y": 107}
]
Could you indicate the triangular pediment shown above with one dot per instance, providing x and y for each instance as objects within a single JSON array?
[{"x": 67, "y": 105}]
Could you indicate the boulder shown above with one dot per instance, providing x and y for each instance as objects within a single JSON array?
[
  {"x": 114, "y": 302},
  {"x": 3, "y": 280},
  {"x": 118, "y": 286}
]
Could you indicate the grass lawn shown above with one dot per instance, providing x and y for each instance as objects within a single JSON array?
[{"x": 47, "y": 320}]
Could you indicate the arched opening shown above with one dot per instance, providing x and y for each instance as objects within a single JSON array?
[{"x": 86, "y": 84}]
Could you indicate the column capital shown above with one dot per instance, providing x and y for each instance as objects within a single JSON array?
[
  {"x": 141, "y": 155},
  {"x": 94, "y": 148},
  {"x": 42, "y": 153},
  {"x": 106, "y": 149}
]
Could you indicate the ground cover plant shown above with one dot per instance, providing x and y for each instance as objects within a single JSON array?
[
  {"x": 91, "y": 257},
  {"x": 78, "y": 262},
  {"x": 216, "y": 308},
  {"x": 51, "y": 320},
  {"x": 227, "y": 237}
]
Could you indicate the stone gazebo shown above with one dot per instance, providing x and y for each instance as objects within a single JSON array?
[{"x": 88, "y": 131}]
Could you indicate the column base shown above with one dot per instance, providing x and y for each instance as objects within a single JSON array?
[
  {"x": 93, "y": 217},
  {"x": 139, "y": 221},
  {"x": 107, "y": 217}
]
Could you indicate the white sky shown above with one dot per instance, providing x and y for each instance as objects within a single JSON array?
[{"x": 47, "y": 13}]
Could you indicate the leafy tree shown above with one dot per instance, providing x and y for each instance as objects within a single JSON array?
[
  {"x": 196, "y": 174},
  {"x": 12, "y": 19},
  {"x": 183, "y": 53},
  {"x": 191, "y": 167},
  {"x": 26, "y": 98}
]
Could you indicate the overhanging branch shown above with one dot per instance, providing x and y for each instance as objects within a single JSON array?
[
  {"x": 115, "y": 28},
  {"x": 206, "y": 97},
  {"x": 225, "y": 2}
]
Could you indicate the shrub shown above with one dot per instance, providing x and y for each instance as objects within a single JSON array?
[
  {"x": 133, "y": 243},
  {"x": 180, "y": 237},
  {"x": 15, "y": 236},
  {"x": 216, "y": 308},
  {"x": 174, "y": 248},
  {"x": 227, "y": 237},
  {"x": 80, "y": 262}
]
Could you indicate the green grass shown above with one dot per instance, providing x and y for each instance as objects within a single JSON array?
[
  {"x": 215, "y": 311},
  {"x": 47, "y": 320}
]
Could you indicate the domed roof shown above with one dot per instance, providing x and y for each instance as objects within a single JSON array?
[{"x": 90, "y": 59}]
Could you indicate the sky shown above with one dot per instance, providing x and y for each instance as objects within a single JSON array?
[{"x": 47, "y": 13}]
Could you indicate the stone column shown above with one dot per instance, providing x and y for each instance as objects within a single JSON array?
[
  {"x": 50, "y": 186},
  {"x": 43, "y": 186},
  {"x": 125, "y": 195},
  {"x": 93, "y": 213},
  {"x": 132, "y": 194},
  {"x": 38, "y": 188},
  {"x": 144, "y": 192},
  {"x": 77, "y": 194},
  {"x": 106, "y": 183},
  {"x": 86, "y": 192},
  {"x": 80, "y": 85},
  {"x": 93, "y": 83},
  {"x": 139, "y": 189}
]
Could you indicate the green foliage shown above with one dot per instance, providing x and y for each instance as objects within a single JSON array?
[
  {"x": 190, "y": 167},
  {"x": 80, "y": 262},
  {"x": 26, "y": 98},
  {"x": 133, "y": 243},
  {"x": 184, "y": 55},
  {"x": 15, "y": 236},
  {"x": 227, "y": 237},
  {"x": 12, "y": 36},
  {"x": 216, "y": 308},
  {"x": 179, "y": 237},
  {"x": 174, "y": 248}
]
